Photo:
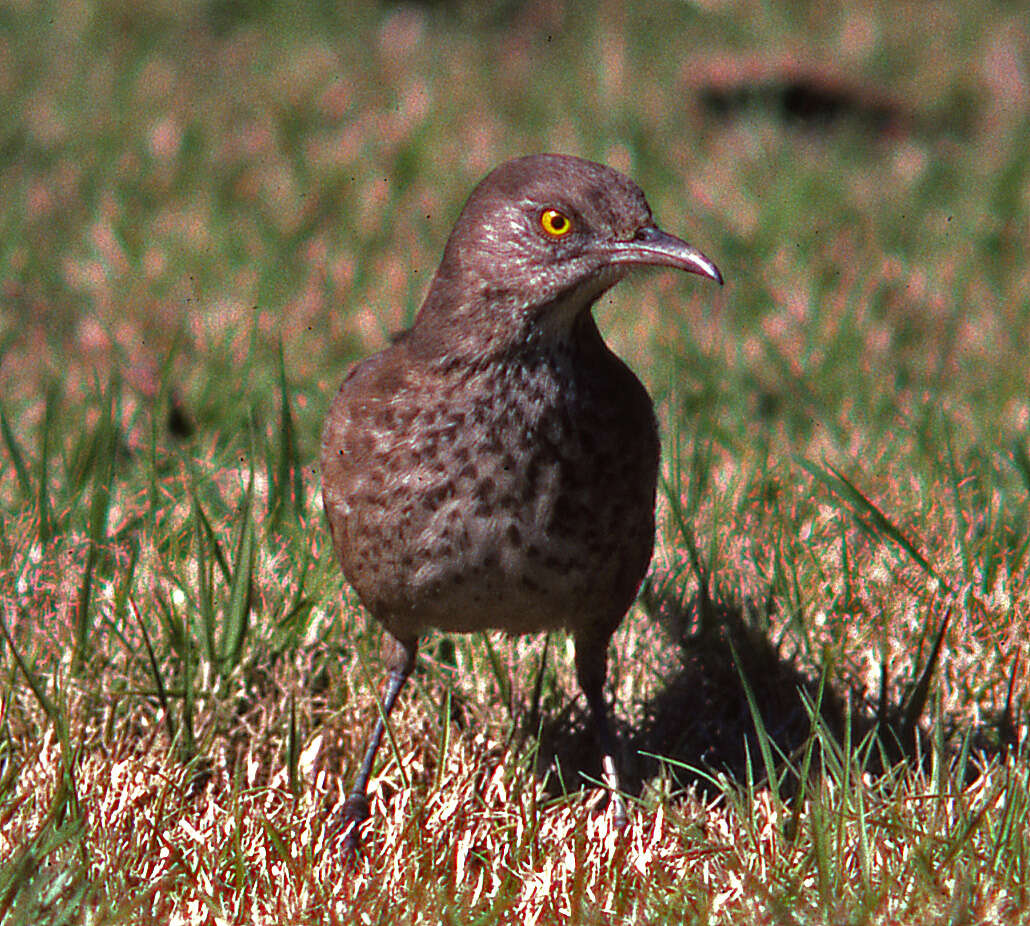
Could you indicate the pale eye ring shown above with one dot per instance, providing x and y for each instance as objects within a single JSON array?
[{"x": 555, "y": 222}]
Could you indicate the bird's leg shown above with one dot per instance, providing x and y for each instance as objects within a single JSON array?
[
  {"x": 356, "y": 809},
  {"x": 591, "y": 670}
]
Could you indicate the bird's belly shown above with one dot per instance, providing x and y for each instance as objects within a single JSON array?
[
  {"x": 518, "y": 543},
  {"x": 515, "y": 570}
]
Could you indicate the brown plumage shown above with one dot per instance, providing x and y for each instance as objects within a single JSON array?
[{"x": 496, "y": 466}]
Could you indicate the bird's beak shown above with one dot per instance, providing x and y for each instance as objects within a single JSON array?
[{"x": 653, "y": 247}]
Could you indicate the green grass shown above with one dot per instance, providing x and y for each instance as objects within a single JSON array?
[{"x": 209, "y": 210}]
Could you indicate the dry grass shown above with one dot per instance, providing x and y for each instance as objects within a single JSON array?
[
  {"x": 229, "y": 838},
  {"x": 823, "y": 693}
]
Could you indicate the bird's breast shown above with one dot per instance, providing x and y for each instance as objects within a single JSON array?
[{"x": 518, "y": 495}]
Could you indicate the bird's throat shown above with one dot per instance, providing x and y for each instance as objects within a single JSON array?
[{"x": 554, "y": 322}]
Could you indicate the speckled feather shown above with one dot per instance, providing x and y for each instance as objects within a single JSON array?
[{"x": 517, "y": 494}]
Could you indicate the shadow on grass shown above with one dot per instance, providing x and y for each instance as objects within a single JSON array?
[{"x": 702, "y": 727}]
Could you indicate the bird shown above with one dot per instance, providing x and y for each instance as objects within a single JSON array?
[{"x": 495, "y": 466}]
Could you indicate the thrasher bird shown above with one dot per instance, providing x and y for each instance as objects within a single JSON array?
[{"x": 495, "y": 467}]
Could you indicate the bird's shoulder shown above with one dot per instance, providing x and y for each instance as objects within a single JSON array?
[{"x": 381, "y": 376}]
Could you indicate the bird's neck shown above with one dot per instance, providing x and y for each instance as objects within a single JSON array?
[{"x": 494, "y": 325}]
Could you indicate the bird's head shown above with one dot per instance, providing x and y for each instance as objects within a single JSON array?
[{"x": 538, "y": 241}]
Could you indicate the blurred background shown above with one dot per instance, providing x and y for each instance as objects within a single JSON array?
[{"x": 186, "y": 183}]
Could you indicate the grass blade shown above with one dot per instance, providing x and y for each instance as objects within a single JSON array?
[
  {"x": 866, "y": 511},
  {"x": 1020, "y": 460},
  {"x": 500, "y": 675},
  {"x": 46, "y": 525},
  {"x": 82, "y": 611},
  {"x": 240, "y": 589},
  {"x": 120, "y": 605},
  {"x": 921, "y": 691},
  {"x": 17, "y": 457},
  {"x": 105, "y": 443},
  {"x": 761, "y": 733},
  {"x": 290, "y": 470},
  {"x": 956, "y": 493},
  {"x": 49, "y": 707},
  {"x": 293, "y": 749},
  {"x": 187, "y": 745},
  {"x": 215, "y": 546},
  {"x": 159, "y": 682},
  {"x": 205, "y": 593}
]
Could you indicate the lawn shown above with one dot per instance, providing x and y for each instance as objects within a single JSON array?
[{"x": 210, "y": 209}]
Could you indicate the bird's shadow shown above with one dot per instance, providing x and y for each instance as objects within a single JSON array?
[
  {"x": 699, "y": 724},
  {"x": 700, "y": 727}
]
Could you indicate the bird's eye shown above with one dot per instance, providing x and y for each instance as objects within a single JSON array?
[{"x": 555, "y": 223}]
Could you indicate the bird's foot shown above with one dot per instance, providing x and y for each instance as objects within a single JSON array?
[
  {"x": 620, "y": 818},
  {"x": 616, "y": 807}
]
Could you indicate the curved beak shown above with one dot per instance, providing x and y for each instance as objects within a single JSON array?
[{"x": 653, "y": 247}]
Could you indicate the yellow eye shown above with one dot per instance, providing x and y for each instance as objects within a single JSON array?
[{"x": 555, "y": 223}]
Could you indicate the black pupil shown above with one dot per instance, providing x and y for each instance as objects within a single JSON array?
[{"x": 558, "y": 221}]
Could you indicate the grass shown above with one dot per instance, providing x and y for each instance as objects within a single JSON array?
[{"x": 209, "y": 211}]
